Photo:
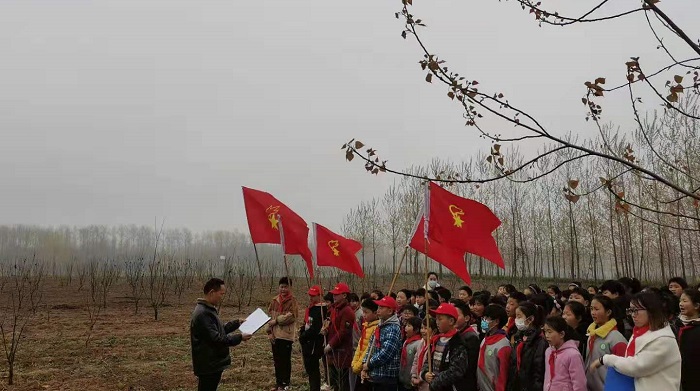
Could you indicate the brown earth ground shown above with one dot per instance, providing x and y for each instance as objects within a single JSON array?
[{"x": 130, "y": 351}]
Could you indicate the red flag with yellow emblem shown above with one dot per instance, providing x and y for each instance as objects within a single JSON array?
[
  {"x": 337, "y": 251},
  {"x": 449, "y": 257},
  {"x": 264, "y": 212},
  {"x": 462, "y": 224}
]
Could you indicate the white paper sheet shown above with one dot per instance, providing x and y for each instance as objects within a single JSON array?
[{"x": 254, "y": 322}]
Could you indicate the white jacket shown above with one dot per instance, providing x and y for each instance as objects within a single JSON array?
[{"x": 656, "y": 364}]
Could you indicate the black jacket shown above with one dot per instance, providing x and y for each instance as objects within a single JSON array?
[
  {"x": 689, "y": 344},
  {"x": 311, "y": 340},
  {"x": 472, "y": 343},
  {"x": 210, "y": 340},
  {"x": 530, "y": 375},
  {"x": 451, "y": 370}
]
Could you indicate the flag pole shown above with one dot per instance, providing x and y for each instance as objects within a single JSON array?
[
  {"x": 426, "y": 219},
  {"x": 284, "y": 252},
  {"x": 314, "y": 256},
  {"x": 257, "y": 259},
  {"x": 398, "y": 269}
]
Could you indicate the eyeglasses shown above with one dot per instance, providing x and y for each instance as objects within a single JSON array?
[{"x": 634, "y": 311}]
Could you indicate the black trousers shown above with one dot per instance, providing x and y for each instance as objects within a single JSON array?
[
  {"x": 311, "y": 366},
  {"x": 209, "y": 382},
  {"x": 339, "y": 378},
  {"x": 282, "y": 357}
]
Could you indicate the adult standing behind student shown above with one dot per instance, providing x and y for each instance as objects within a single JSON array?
[
  {"x": 210, "y": 338},
  {"x": 383, "y": 358},
  {"x": 310, "y": 337},
  {"x": 652, "y": 356},
  {"x": 338, "y": 348},
  {"x": 281, "y": 330}
]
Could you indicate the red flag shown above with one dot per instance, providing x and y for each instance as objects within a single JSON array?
[
  {"x": 337, "y": 251},
  {"x": 463, "y": 224},
  {"x": 262, "y": 210},
  {"x": 449, "y": 257}
]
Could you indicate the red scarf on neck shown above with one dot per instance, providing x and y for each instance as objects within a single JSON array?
[
  {"x": 434, "y": 340},
  {"x": 490, "y": 340},
  {"x": 376, "y": 337},
  {"x": 421, "y": 356},
  {"x": 636, "y": 333},
  {"x": 552, "y": 358},
  {"x": 404, "y": 353}
]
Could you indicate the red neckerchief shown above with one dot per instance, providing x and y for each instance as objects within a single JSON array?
[
  {"x": 281, "y": 300},
  {"x": 636, "y": 333},
  {"x": 362, "y": 337},
  {"x": 423, "y": 352},
  {"x": 376, "y": 337},
  {"x": 308, "y": 309},
  {"x": 334, "y": 313},
  {"x": 436, "y": 338},
  {"x": 489, "y": 340},
  {"x": 510, "y": 324},
  {"x": 469, "y": 329},
  {"x": 591, "y": 340},
  {"x": 404, "y": 353},
  {"x": 552, "y": 357}
]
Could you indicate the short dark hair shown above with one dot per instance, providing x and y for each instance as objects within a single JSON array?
[
  {"x": 431, "y": 324},
  {"x": 379, "y": 294},
  {"x": 581, "y": 292},
  {"x": 680, "y": 281},
  {"x": 444, "y": 293},
  {"x": 558, "y": 324},
  {"x": 420, "y": 292},
  {"x": 364, "y": 296},
  {"x": 434, "y": 295},
  {"x": 353, "y": 297},
  {"x": 496, "y": 312},
  {"x": 432, "y": 274},
  {"x": 555, "y": 289},
  {"x": 328, "y": 297},
  {"x": 576, "y": 308},
  {"x": 214, "y": 284},
  {"x": 409, "y": 307},
  {"x": 433, "y": 304},
  {"x": 594, "y": 287},
  {"x": 415, "y": 322},
  {"x": 467, "y": 289},
  {"x": 481, "y": 298},
  {"x": 464, "y": 307},
  {"x": 693, "y": 295},
  {"x": 510, "y": 288},
  {"x": 614, "y": 287},
  {"x": 370, "y": 305},
  {"x": 654, "y": 306},
  {"x": 518, "y": 296},
  {"x": 670, "y": 304},
  {"x": 285, "y": 281},
  {"x": 498, "y": 300},
  {"x": 392, "y": 295},
  {"x": 407, "y": 292},
  {"x": 608, "y": 304}
]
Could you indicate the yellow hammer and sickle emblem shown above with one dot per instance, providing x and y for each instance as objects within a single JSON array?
[
  {"x": 457, "y": 214},
  {"x": 272, "y": 215},
  {"x": 333, "y": 244}
]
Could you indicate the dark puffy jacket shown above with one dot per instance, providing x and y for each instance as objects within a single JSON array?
[
  {"x": 452, "y": 369},
  {"x": 527, "y": 364},
  {"x": 689, "y": 343},
  {"x": 210, "y": 340},
  {"x": 472, "y": 343},
  {"x": 311, "y": 340}
]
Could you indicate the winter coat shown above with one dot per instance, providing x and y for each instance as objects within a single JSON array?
[
  {"x": 527, "y": 362},
  {"x": 494, "y": 362},
  {"x": 415, "y": 371},
  {"x": 286, "y": 327},
  {"x": 611, "y": 342},
  {"x": 210, "y": 339},
  {"x": 452, "y": 368},
  {"x": 383, "y": 358},
  {"x": 409, "y": 350},
  {"x": 310, "y": 337},
  {"x": 568, "y": 373},
  {"x": 363, "y": 345},
  {"x": 340, "y": 335},
  {"x": 582, "y": 339},
  {"x": 689, "y": 344},
  {"x": 471, "y": 340},
  {"x": 656, "y": 364}
]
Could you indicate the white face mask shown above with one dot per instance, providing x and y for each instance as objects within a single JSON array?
[
  {"x": 520, "y": 324},
  {"x": 432, "y": 284}
]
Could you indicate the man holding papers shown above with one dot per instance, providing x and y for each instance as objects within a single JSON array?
[{"x": 211, "y": 338}]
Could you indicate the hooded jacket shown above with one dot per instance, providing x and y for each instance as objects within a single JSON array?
[
  {"x": 210, "y": 339},
  {"x": 286, "y": 326},
  {"x": 656, "y": 364},
  {"x": 340, "y": 335},
  {"x": 565, "y": 371},
  {"x": 363, "y": 345},
  {"x": 383, "y": 357}
]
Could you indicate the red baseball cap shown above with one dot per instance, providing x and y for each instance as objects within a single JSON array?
[
  {"x": 315, "y": 291},
  {"x": 387, "y": 301},
  {"x": 341, "y": 288},
  {"x": 446, "y": 309}
]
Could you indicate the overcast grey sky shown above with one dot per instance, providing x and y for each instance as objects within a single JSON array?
[{"x": 116, "y": 111}]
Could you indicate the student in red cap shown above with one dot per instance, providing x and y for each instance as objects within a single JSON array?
[
  {"x": 310, "y": 337},
  {"x": 383, "y": 359},
  {"x": 339, "y": 331},
  {"x": 448, "y": 353}
]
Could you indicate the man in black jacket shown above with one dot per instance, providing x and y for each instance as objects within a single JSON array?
[
  {"x": 310, "y": 336},
  {"x": 210, "y": 338}
]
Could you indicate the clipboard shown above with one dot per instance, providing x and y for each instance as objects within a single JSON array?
[{"x": 254, "y": 322}]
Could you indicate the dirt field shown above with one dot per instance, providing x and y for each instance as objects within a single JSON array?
[{"x": 127, "y": 351}]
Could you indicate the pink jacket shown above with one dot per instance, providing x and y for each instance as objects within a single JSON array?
[{"x": 564, "y": 368}]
